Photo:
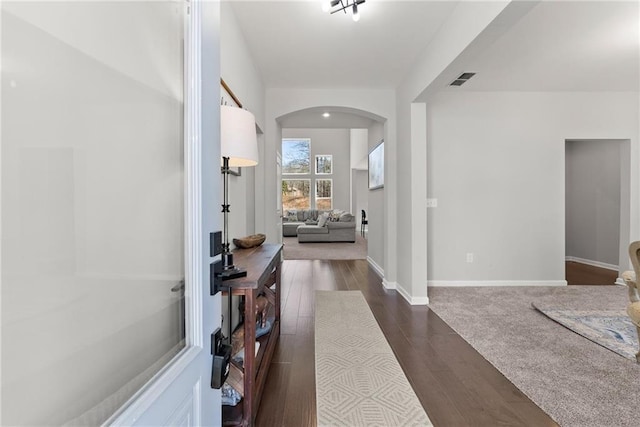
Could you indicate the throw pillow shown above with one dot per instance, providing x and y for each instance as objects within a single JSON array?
[
  {"x": 322, "y": 220},
  {"x": 346, "y": 217},
  {"x": 334, "y": 216},
  {"x": 292, "y": 215}
]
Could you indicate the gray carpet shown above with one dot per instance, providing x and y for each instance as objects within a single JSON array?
[
  {"x": 340, "y": 250},
  {"x": 575, "y": 381},
  {"x": 359, "y": 381}
]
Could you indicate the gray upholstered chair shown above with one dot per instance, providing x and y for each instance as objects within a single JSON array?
[{"x": 632, "y": 280}]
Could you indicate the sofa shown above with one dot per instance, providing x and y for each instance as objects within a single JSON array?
[
  {"x": 297, "y": 217},
  {"x": 320, "y": 226}
]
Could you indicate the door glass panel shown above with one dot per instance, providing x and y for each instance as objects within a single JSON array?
[{"x": 92, "y": 205}]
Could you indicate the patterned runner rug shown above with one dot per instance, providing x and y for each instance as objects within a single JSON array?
[
  {"x": 611, "y": 329},
  {"x": 359, "y": 382}
]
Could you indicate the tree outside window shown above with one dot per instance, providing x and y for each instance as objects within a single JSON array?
[
  {"x": 296, "y": 156},
  {"x": 324, "y": 164},
  {"x": 324, "y": 199},
  {"x": 296, "y": 194}
]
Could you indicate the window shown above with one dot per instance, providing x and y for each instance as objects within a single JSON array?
[
  {"x": 296, "y": 194},
  {"x": 296, "y": 156},
  {"x": 324, "y": 164},
  {"x": 324, "y": 198}
]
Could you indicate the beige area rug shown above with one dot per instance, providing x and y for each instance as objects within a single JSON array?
[
  {"x": 339, "y": 250},
  {"x": 577, "y": 382},
  {"x": 359, "y": 382}
]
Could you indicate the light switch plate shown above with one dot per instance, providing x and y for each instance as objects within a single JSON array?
[{"x": 432, "y": 203}]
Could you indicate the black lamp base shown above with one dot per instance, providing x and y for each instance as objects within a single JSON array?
[
  {"x": 230, "y": 271},
  {"x": 233, "y": 273}
]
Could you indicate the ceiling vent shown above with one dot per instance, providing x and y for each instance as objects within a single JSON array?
[{"x": 462, "y": 79}]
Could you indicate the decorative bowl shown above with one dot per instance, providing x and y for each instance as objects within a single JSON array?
[{"x": 250, "y": 241}]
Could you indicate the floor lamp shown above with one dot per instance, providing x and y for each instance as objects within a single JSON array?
[{"x": 239, "y": 148}]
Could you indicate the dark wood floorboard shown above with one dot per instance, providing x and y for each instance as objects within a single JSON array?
[
  {"x": 454, "y": 383},
  {"x": 583, "y": 274}
]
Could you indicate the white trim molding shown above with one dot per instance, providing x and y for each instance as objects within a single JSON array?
[
  {"x": 379, "y": 270},
  {"x": 142, "y": 400},
  {"x": 412, "y": 300},
  {"x": 468, "y": 283},
  {"x": 389, "y": 285},
  {"x": 592, "y": 263}
]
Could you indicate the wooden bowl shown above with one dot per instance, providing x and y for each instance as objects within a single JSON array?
[{"x": 250, "y": 241}]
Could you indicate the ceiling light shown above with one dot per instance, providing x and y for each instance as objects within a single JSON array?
[
  {"x": 356, "y": 15},
  {"x": 326, "y": 115},
  {"x": 333, "y": 6}
]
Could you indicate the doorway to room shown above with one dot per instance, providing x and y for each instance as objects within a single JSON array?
[
  {"x": 324, "y": 170},
  {"x": 596, "y": 210}
]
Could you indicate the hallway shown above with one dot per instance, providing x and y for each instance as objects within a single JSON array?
[{"x": 454, "y": 383}]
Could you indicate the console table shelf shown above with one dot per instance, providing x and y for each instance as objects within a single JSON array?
[{"x": 263, "y": 275}]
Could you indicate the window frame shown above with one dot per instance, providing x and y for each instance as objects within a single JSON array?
[
  {"x": 330, "y": 158},
  {"x": 284, "y": 208},
  {"x": 316, "y": 198}
]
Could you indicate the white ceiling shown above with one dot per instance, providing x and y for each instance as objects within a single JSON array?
[
  {"x": 339, "y": 118},
  {"x": 296, "y": 44},
  {"x": 559, "y": 45},
  {"x": 563, "y": 46}
]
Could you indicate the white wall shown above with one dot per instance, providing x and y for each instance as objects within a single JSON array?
[
  {"x": 496, "y": 166},
  {"x": 593, "y": 200},
  {"x": 376, "y": 205},
  {"x": 359, "y": 176},
  {"x": 360, "y": 181},
  {"x": 359, "y": 148},
  {"x": 464, "y": 26},
  {"x": 336, "y": 143}
]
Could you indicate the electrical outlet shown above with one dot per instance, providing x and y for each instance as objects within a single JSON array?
[
  {"x": 432, "y": 203},
  {"x": 469, "y": 257}
]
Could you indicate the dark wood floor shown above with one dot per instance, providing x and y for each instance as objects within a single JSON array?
[
  {"x": 583, "y": 274},
  {"x": 456, "y": 386}
]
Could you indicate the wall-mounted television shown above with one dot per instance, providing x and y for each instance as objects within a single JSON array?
[{"x": 376, "y": 167}]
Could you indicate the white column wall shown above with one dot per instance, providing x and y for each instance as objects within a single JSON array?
[{"x": 465, "y": 24}]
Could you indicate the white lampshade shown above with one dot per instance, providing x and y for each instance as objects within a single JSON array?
[{"x": 238, "y": 136}]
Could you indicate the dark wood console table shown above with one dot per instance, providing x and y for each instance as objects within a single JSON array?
[{"x": 263, "y": 276}]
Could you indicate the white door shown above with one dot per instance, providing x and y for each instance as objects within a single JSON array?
[
  {"x": 181, "y": 395},
  {"x": 110, "y": 188}
]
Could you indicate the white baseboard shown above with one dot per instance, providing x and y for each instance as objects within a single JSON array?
[
  {"x": 379, "y": 270},
  {"x": 412, "y": 300},
  {"x": 389, "y": 285},
  {"x": 592, "y": 263},
  {"x": 463, "y": 283}
]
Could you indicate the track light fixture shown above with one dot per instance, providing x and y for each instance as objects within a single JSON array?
[{"x": 333, "y": 6}]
